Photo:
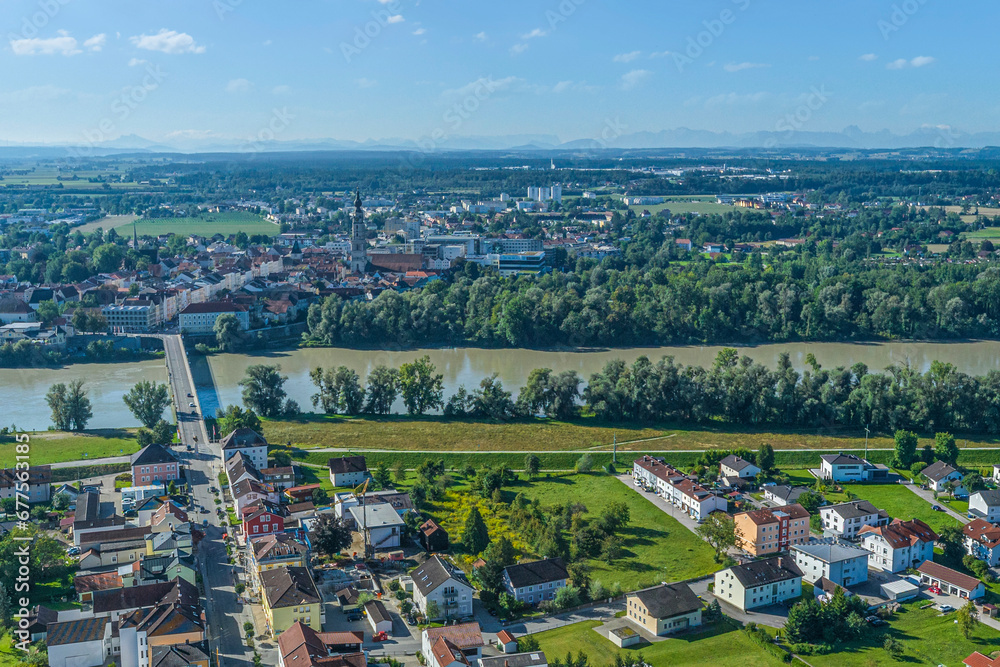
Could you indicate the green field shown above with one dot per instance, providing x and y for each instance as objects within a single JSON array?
[
  {"x": 434, "y": 433},
  {"x": 57, "y": 446},
  {"x": 686, "y": 205},
  {"x": 901, "y": 503},
  {"x": 205, "y": 225},
  {"x": 720, "y": 645}
]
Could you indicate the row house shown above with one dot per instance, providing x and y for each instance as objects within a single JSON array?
[
  {"x": 768, "y": 531},
  {"x": 683, "y": 492}
]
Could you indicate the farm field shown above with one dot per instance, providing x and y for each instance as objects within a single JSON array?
[
  {"x": 704, "y": 648},
  {"x": 59, "y": 446},
  {"x": 108, "y": 223},
  {"x": 206, "y": 225}
]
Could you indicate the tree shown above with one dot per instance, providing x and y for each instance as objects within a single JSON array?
[
  {"x": 70, "y": 406},
  {"x": 968, "y": 618},
  {"x": 147, "y": 401},
  {"x": 893, "y": 647},
  {"x": 567, "y": 597},
  {"x": 433, "y": 610},
  {"x": 228, "y": 332},
  {"x": 719, "y": 530},
  {"x": 382, "y": 476},
  {"x": 108, "y": 258},
  {"x": 248, "y": 629},
  {"x": 805, "y": 622},
  {"x": 339, "y": 390},
  {"x": 810, "y": 501},
  {"x": 765, "y": 457},
  {"x": 611, "y": 549},
  {"x": 952, "y": 541},
  {"x": 490, "y": 401},
  {"x": 331, "y": 534},
  {"x": 584, "y": 464},
  {"x": 399, "y": 471},
  {"x": 973, "y": 482},
  {"x": 263, "y": 390},
  {"x": 906, "y": 448},
  {"x": 320, "y": 497},
  {"x": 421, "y": 387},
  {"x": 383, "y": 388},
  {"x": 234, "y": 417},
  {"x": 47, "y": 311},
  {"x": 945, "y": 448},
  {"x": 475, "y": 537},
  {"x": 532, "y": 465},
  {"x": 6, "y": 606},
  {"x": 500, "y": 551}
]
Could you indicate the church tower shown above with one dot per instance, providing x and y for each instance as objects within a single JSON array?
[{"x": 359, "y": 244}]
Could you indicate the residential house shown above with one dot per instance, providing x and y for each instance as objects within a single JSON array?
[
  {"x": 535, "y": 581},
  {"x": 87, "y": 584},
  {"x": 91, "y": 516},
  {"x": 301, "y": 646},
  {"x": 166, "y": 624},
  {"x": 996, "y": 473},
  {"x": 123, "y": 601},
  {"x": 381, "y": 522},
  {"x": 247, "y": 442},
  {"x": 159, "y": 568},
  {"x": 274, "y": 551},
  {"x": 169, "y": 517},
  {"x": 248, "y": 491},
  {"x": 432, "y": 536},
  {"x": 106, "y": 554},
  {"x": 985, "y": 504},
  {"x": 179, "y": 655},
  {"x": 82, "y": 643},
  {"x": 239, "y": 468},
  {"x": 153, "y": 464},
  {"x": 132, "y": 496},
  {"x": 781, "y": 495},
  {"x": 940, "y": 475},
  {"x": 737, "y": 466},
  {"x": 159, "y": 544},
  {"x": 437, "y": 581},
  {"x": 680, "y": 490},
  {"x": 768, "y": 531},
  {"x": 846, "y": 519},
  {"x": 262, "y": 517},
  {"x": 824, "y": 590},
  {"x": 665, "y": 609},
  {"x": 977, "y": 659},
  {"x": 950, "y": 581},
  {"x": 290, "y": 595},
  {"x": 466, "y": 639},
  {"x": 36, "y": 483},
  {"x": 280, "y": 477},
  {"x": 898, "y": 545},
  {"x": 982, "y": 541},
  {"x": 850, "y": 468},
  {"x": 348, "y": 471},
  {"x": 759, "y": 583},
  {"x": 506, "y": 642},
  {"x": 345, "y": 500},
  {"x": 843, "y": 564}
]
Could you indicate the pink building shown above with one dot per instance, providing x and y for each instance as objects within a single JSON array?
[{"x": 152, "y": 465}]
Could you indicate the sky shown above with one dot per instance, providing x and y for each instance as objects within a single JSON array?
[{"x": 88, "y": 71}]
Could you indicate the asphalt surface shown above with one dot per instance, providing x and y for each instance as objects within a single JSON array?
[{"x": 224, "y": 612}]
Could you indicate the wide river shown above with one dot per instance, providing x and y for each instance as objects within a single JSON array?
[{"x": 22, "y": 392}]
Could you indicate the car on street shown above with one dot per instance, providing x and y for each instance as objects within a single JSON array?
[
  {"x": 937, "y": 508},
  {"x": 190, "y": 448},
  {"x": 190, "y": 395},
  {"x": 205, "y": 522},
  {"x": 204, "y": 510},
  {"x": 190, "y": 405}
]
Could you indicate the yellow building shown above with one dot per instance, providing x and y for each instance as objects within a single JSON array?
[
  {"x": 665, "y": 609},
  {"x": 289, "y": 594},
  {"x": 273, "y": 551}
]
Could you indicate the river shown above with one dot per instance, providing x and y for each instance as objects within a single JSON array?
[{"x": 22, "y": 392}]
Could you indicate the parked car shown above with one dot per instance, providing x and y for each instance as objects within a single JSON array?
[
  {"x": 73, "y": 551},
  {"x": 937, "y": 508},
  {"x": 190, "y": 395},
  {"x": 874, "y": 620},
  {"x": 945, "y": 608},
  {"x": 934, "y": 589},
  {"x": 380, "y": 637},
  {"x": 204, "y": 522},
  {"x": 190, "y": 405}
]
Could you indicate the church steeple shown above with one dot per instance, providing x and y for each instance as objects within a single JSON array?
[
  {"x": 135, "y": 237},
  {"x": 359, "y": 240}
]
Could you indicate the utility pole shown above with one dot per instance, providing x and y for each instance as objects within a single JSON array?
[
  {"x": 866, "y": 442},
  {"x": 614, "y": 452}
]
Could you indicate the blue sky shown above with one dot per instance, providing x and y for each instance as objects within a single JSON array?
[{"x": 171, "y": 70}]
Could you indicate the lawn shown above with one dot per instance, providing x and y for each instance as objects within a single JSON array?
[
  {"x": 206, "y": 225},
  {"x": 928, "y": 639},
  {"x": 901, "y": 503},
  {"x": 435, "y": 433},
  {"x": 60, "y": 446},
  {"x": 719, "y": 645},
  {"x": 657, "y": 547}
]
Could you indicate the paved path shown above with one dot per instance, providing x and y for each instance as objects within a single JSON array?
[
  {"x": 928, "y": 495},
  {"x": 667, "y": 507},
  {"x": 592, "y": 450},
  {"x": 91, "y": 462}
]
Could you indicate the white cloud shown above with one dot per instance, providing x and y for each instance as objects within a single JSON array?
[
  {"x": 136, "y": 62},
  {"x": 534, "y": 34},
  {"x": 518, "y": 49},
  {"x": 366, "y": 83},
  {"x": 735, "y": 99},
  {"x": 626, "y": 57},
  {"x": 96, "y": 43},
  {"x": 168, "y": 41},
  {"x": 868, "y": 57},
  {"x": 395, "y": 18},
  {"x": 634, "y": 78},
  {"x": 573, "y": 86},
  {"x": 903, "y": 63},
  {"x": 739, "y": 67},
  {"x": 482, "y": 37},
  {"x": 482, "y": 84},
  {"x": 63, "y": 44},
  {"x": 420, "y": 31},
  {"x": 661, "y": 54},
  {"x": 239, "y": 86},
  {"x": 281, "y": 90}
]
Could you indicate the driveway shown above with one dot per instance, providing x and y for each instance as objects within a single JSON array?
[
  {"x": 664, "y": 505},
  {"x": 928, "y": 495}
]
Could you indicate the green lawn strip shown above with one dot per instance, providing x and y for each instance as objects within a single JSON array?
[
  {"x": 59, "y": 447},
  {"x": 901, "y": 503},
  {"x": 211, "y": 223},
  {"x": 719, "y": 644},
  {"x": 60, "y": 475},
  {"x": 928, "y": 639}
]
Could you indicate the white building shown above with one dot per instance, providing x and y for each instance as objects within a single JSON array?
[
  {"x": 536, "y": 581},
  {"x": 759, "y": 583},
  {"x": 437, "y": 581},
  {"x": 846, "y": 519},
  {"x": 898, "y": 545},
  {"x": 985, "y": 504},
  {"x": 199, "y": 318},
  {"x": 737, "y": 466},
  {"x": 680, "y": 490},
  {"x": 850, "y": 468},
  {"x": 247, "y": 442},
  {"x": 82, "y": 643},
  {"x": 939, "y": 474},
  {"x": 347, "y": 471},
  {"x": 382, "y": 523},
  {"x": 842, "y": 564}
]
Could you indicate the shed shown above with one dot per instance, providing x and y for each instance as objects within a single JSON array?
[
  {"x": 506, "y": 642},
  {"x": 379, "y": 619},
  {"x": 624, "y": 637},
  {"x": 899, "y": 590}
]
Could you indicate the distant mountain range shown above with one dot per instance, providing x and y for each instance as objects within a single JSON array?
[{"x": 850, "y": 138}]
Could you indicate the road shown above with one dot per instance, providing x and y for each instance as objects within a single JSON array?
[
  {"x": 224, "y": 612},
  {"x": 928, "y": 495}
]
